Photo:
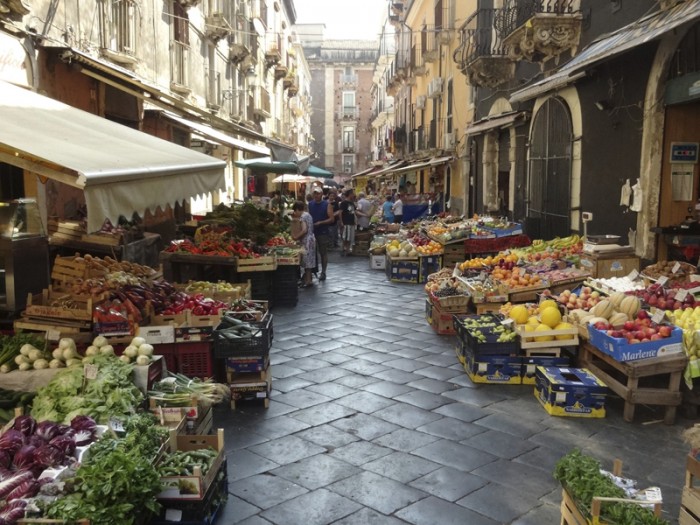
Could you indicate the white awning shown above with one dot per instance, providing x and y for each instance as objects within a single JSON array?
[
  {"x": 639, "y": 32},
  {"x": 121, "y": 170},
  {"x": 218, "y": 136}
]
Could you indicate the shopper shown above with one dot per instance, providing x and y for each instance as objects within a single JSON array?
[
  {"x": 397, "y": 209},
  {"x": 387, "y": 214},
  {"x": 321, "y": 212},
  {"x": 364, "y": 210},
  {"x": 347, "y": 221},
  {"x": 306, "y": 238},
  {"x": 333, "y": 229}
]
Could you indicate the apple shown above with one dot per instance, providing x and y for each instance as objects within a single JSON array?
[
  {"x": 677, "y": 305},
  {"x": 601, "y": 325},
  {"x": 649, "y": 331},
  {"x": 655, "y": 337},
  {"x": 665, "y": 331},
  {"x": 642, "y": 314},
  {"x": 640, "y": 334},
  {"x": 661, "y": 303},
  {"x": 617, "y": 334},
  {"x": 629, "y": 325},
  {"x": 653, "y": 300},
  {"x": 633, "y": 340}
]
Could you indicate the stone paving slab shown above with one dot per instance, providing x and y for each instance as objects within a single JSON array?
[{"x": 373, "y": 421}]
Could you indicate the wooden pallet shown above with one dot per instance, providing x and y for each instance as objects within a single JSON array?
[{"x": 624, "y": 378}]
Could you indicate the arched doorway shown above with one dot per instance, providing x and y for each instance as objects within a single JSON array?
[{"x": 549, "y": 182}]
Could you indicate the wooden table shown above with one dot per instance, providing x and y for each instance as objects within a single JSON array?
[{"x": 624, "y": 379}]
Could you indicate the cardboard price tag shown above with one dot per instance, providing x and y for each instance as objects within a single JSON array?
[
  {"x": 662, "y": 280},
  {"x": 658, "y": 316},
  {"x": 633, "y": 275},
  {"x": 507, "y": 322},
  {"x": 116, "y": 425},
  {"x": 695, "y": 290},
  {"x": 695, "y": 278},
  {"x": 53, "y": 335},
  {"x": 676, "y": 267},
  {"x": 681, "y": 295},
  {"x": 90, "y": 371},
  {"x": 173, "y": 515}
]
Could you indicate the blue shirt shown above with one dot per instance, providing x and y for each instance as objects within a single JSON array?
[
  {"x": 386, "y": 210},
  {"x": 319, "y": 212}
]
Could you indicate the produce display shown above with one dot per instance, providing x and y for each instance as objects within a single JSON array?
[
  {"x": 639, "y": 329},
  {"x": 398, "y": 249},
  {"x": 671, "y": 297},
  {"x": 614, "y": 310},
  {"x": 543, "y": 317},
  {"x": 582, "y": 478},
  {"x": 179, "y": 390},
  {"x": 617, "y": 284},
  {"x": 672, "y": 270},
  {"x": 11, "y": 400},
  {"x": 11, "y": 349},
  {"x": 487, "y": 328},
  {"x": 246, "y": 221},
  {"x": 182, "y": 463}
]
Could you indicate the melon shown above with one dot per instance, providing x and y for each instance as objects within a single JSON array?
[
  {"x": 585, "y": 318},
  {"x": 547, "y": 303},
  {"x": 403, "y": 253},
  {"x": 593, "y": 320},
  {"x": 564, "y": 326},
  {"x": 394, "y": 252},
  {"x": 413, "y": 253},
  {"x": 518, "y": 314},
  {"x": 630, "y": 305},
  {"x": 616, "y": 298},
  {"x": 618, "y": 319},
  {"x": 543, "y": 338},
  {"x": 550, "y": 316},
  {"x": 603, "y": 309}
]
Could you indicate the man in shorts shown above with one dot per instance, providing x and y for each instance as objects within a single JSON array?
[
  {"x": 348, "y": 221},
  {"x": 322, "y": 214}
]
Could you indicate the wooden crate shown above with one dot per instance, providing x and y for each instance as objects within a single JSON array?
[
  {"x": 68, "y": 269},
  {"x": 624, "y": 379},
  {"x": 258, "y": 264},
  {"x": 61, "y": 305},
  {"x": 105, "y": 239},
  {"x": 690, "y": 498},
  {"x": 527, "y": 339}
]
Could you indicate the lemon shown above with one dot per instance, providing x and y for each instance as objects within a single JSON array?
[
  {"x": 550, "y": 316},
  {"x": 543, "y": 328},
  {"x": 519, "y": 314},
  {"x": 533, "y": 320},
  {"x": 529, "y": 327}
]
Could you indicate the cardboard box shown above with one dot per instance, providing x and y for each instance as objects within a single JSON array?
[
  {"x": 606, "y": 266},
  {"x": 441, "y": 321},
  {"x": 192, "y": 487},
  {"x": 403, "y": 271},
  {"x": 247, "y": 364},
  {"x": 246, "y": 389},
  {"x": 155, "y": 335},
  {"x": 377, "y": 262},
  {"x": 621, "y": 350},
  {"x": 493, "y": 369},
  {"x": 429, "y": 264},
  {"x": 530, "y": 364},
  {"x": 571, "y": 392}
]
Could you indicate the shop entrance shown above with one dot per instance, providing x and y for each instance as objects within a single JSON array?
[{"x": 549, "y": 188}]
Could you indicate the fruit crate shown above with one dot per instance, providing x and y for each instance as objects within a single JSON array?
[
  {"x": 489, "y": 347},
  {"x": 690, "y": 498},
  {"x": 194, "y": 359},
  {"x": 59, "y": 305},
  {"x": 530, "y": 339},
  {"x": 257, "y": 264},
  {"x": 402, "y": 270},
  {"x": 429, "y": 264},
  {"x": 256, "y": 345}
]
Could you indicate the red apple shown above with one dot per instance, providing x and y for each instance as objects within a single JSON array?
[
  {"x": 677, "y": 305},
  {"x": 665, "y": 331},
  {"x": 640, "y": 334},
  {"x": 633, "y": 340},
  {"x": 655, "y": 337},
  {"x": 629, "y": 325},
  {"x": 642, "y": 314},
  {"x": 649, "y": 331},
  {"x": 617, "y": 334},
  {"x": 653, "y": 300},
  {"x": 661, "y": 303}
]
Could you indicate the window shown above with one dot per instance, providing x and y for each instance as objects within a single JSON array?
[
  {"x": 348, "y": 163},
  {"x": 119, "y": 27},
  {"x": 349, "y": 109},
  {"x": 348, "y": 138},
  {"x": 449, "y": 106},
  {"x": 213, "y": 79},
  {"x": 180, "y": 49}
]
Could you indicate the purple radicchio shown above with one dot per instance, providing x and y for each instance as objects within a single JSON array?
[
  {"x": 25, "y": 424},
  {"x": 48, "y": 456},
  {"x": 11, "y": 483},
  {"x": 5, "y": 459},
  {"x": 47, "y": 430},
  {"x": 64, "y": 443},
  {"x": 27, "y": 489},
  {"x": 24, "y": 458},
  {"x": 11, "y": 441}
]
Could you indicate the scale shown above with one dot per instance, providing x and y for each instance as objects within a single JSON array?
[
  {"x": 586, "y": 217},
  {"x": 599, "y": 244}
]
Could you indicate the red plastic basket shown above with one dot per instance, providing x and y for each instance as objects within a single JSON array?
[
  {"x": 195, "y": 359},
  {"x": 169, "y": 353}
]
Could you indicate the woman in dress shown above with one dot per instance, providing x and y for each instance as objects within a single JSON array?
[{"x": 304, "y": 234}]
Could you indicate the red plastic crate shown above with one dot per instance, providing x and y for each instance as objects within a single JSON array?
[
  {"x": 195, "y": 359},
  {"x": 169, "y": 353}
]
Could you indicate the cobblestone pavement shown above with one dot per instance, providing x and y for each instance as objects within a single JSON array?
[{"x": 373, "y": 421}]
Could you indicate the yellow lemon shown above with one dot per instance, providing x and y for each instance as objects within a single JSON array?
[
  {"x": 518, "y": 314},
  {"x": 548, "y": 303},
  {"x": 564, "y": 326},
  {"x": 533, "y": 320},
  {"x": 550, "y": 316},
  {"x": 543, "y": 328},
  {"x": 529, "y": 327}
]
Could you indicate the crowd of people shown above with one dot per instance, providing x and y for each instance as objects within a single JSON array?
[{"x": 329, "y": 220}]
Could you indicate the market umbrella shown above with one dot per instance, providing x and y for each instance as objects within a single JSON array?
[
  {"x": 290, "y": 177},
  {"x": 267, "y": 165},
  {"x": 315, "y": 171},
  {"x": 330, "y": 183}
]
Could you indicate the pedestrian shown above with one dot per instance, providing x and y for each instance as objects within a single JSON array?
[
  {"x": 333, "y": 230},
  {"x": 397, "y": 209},
  {"x": 387, "y": 214},
  {"x": 347, "y": 221},
  {"x": 321, "y": 212},
  {"x": 364, "y": 210},
  {"x": 305, "y": 237}
]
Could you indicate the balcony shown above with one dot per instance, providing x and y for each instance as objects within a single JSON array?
[
  {"x": 428, "y": 43},
  {"x": 348, "y": 146},
  {"x": 348, "y": 113},
  {"x": 418, "y": 68},
  {"x": 539, "y": 30},
  {"x": 281, "y": 71},
  {"x": 435, "y": 88},
  {"x": 273, "y": 52},
  {"x": 481, "y": 56},
  {"x": 237, "y": 52},
  {"x": 262, "y": 103},
  {"x": 348, "y": 80},
  {"x": 397, "y": 8},
  {"x": 216, "y": 26}
]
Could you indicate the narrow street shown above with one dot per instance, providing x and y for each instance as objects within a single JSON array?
[{"x": 373, "y": 421}]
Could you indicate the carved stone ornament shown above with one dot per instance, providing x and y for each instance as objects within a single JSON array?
[
  {"x": 490, "y": 71},
  {"x": 189, "y": 3},
  {"x": 14, "y": 9},
  {"x": 544, "y": 36}
]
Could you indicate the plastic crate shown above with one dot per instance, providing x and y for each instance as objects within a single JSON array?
[
  {"x": 169, "y": 353},
  {"x": 491, "y": 346},
  {"x": 256, "y": 345},
  {"x": 195, "y": 359}
]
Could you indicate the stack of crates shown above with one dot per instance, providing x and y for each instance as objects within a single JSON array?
[
  {"x": 247, "y": 363},
  {"x": 285, "y": 286},
  {"x": 362, "y": 242}
]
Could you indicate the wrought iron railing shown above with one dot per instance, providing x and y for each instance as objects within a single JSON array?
[{"x": 515, "y": 13}]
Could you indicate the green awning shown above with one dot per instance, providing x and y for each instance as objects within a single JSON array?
[
  {"x": 314, "y": 171},
  {"x": 267, "y": 165}
]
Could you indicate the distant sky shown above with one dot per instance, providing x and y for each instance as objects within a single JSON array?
[{"x": 354, "y": 19}]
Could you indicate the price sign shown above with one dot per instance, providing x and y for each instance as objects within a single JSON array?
[
  {"x": 507, "y": 322},
  {"x": 662, "y": 280},
  {"x": 116, "y": 424},
  {"x": 456, "y": 272},
  {"x": 53, "y": 335},
  {"x": 90, "y": 371},
  {"x": 695, "y": 290},
  {"x": 681, "y": 295},
  {"x": 676, "y": 267},
  {"x": 173, "y": 515},
  {"x": 634, "y": 274},
  {"x": 658, "y": 316},
  {"x": 695, "y": 278}
]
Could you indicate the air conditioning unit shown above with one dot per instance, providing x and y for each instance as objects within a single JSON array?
[
  {"x": 420, "y": 102},
  {"x": 435, "y": 88},
  {"x": 448, "y": 141}
]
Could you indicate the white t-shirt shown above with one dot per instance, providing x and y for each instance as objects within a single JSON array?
[{"x": 397, "y": 208}]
